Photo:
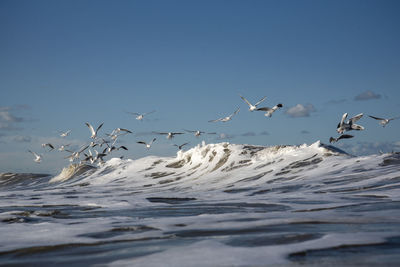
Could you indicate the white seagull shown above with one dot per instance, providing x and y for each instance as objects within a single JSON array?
[
  {"x": 62, "y": 147},
  {"x": 38, "y": 158},
  {"x": 93, "y": 132},
  {"x": 228, "y": 118},
  {"x": 253, "y": 107},
  {"x": 169, "y": 135},
  {"x": 65, "y": 134},
  {"x": 350, "y": 124},
  {"x": 343, "y": 136},
  {"x": 197, "y": 133},
  {"x": 269, "y": 111},
  {"x": 140, "y": 116},
  {"x": 148, "y": 145},
  {"x": 383, "y": 121}
]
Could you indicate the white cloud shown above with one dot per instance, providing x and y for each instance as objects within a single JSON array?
[
  {"x": 367, "y": 95},
  {"x": 300, "y": 110}
]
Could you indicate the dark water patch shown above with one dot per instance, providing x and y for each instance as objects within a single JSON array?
[
  {"x": 22, "y": 180},
  {"x": 302, "y": 163},
  {"x": 177, "y": 164},
  {"x": 170, "y": 200},
  {"x": 356, "y": 255},
  {"x": 272, "y": 240},
  {"x": 255, "y": 177},
  {"x": 192, "y": 208},
  {"x": 155, "y": 163},
  {"x": 232, "y": 166},
  {"x": 251, "y": 149},
  {"x": 379, "y": 186},
  {"x": 360, "y": 207},
  {"x": 280, "y": 189},
  {"x": 156, "y": 175},
  {"x": 85, "y": 254},
  {"x": 392, "y": 159},
  {"x": 167, "y": 181},
  {"x": 264, "y": 165},
  {"x": 195, "y": 167},
  {"x": 373, "y": 196},
  {"x": 239, "y": 190},
  {"x": 119, "y": 231}
]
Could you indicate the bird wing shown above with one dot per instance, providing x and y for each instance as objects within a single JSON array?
[
  {"x": 356, "y": 118},
  {"x": 141, "y": 142},
  {"x": 133, "y": 113},
  {"x": 125, "y": 130},
  {"x": 245, "y": 100},
  {"x": 344, "y": 136},
  {"x": 264, "y": 109},
  {"x": 376, "y": 118},
  {"x": 176, "y": 133},
  {"x": 98, "y": 128},
  {"x": 215, "y": 120},
  {"x": 90, "y": 128},
  {"x": 395, "y": 118},
  {"x": 149, "y": 112},
  {"x": 189, "y": 131},
  {"x": 152, "y": 141},
  {"x": 344, "y": 116},
  {"x": 261, "y": 100},
  {"x": 234, "y": 113},
  {"x": 83, "y": 149},
  {"x": 123, "y": 147},
  {"x": 36, "y": 155}
]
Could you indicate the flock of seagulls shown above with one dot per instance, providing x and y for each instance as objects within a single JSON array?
[
  {"x": 350, "y": 124},
  {"x": 109, "y": 140}
]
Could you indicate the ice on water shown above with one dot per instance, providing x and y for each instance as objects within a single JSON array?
[{"x": 213, "y": 205}]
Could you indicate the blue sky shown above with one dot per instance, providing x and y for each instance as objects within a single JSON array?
[{"x": 64, "y": 63}]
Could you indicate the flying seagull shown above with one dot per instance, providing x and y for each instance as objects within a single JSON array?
[
  {"x": 180, "y": 146},
  {"x": 38, "y": 158},
  {"x": 269, "y": 111},
  {"x": 383, "y": 121},
  {"x": 350, "y": 124},
  {"x": 140, "y": 116},
  {"x": 93, "y": 132},
  {"x": 251, "y": 106},
  {"x": 343, "y": 136},
  {"x": 148, "y": 145},
  {"x": 197, "y": 133},
  {"x": 64, "y": 134},
  {"x": 169, "y": 135},
  {"x": 228, "y": 118},
  {"x": 49, "y": 145},
  {"x": 62, "y": 147}
]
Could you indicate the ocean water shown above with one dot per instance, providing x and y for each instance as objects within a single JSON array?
[{"x": 213, "y": 205}]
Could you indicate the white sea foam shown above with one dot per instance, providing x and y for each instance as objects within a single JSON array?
[{"x": 213, "y": 205}]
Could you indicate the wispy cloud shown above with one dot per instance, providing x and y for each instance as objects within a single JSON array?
[
  {"x": 22, "y": 139},
  {"x": 249, "y": 134},
  {"x": 225, "y": 136},
  {"x": 8, "y": 119},
  {"x": 367, "y": 95},
  {"x": 300, "y": 110},
  {"x": 264, "y": 133}
]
